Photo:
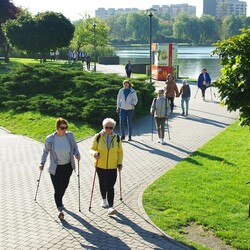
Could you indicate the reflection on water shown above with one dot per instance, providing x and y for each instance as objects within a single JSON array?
[{"x": 190, "y": 59}]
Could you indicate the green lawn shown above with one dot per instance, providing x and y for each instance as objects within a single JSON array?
[
  {"x": 37, "y": 126},
  {"x": 208, "y": 188}
]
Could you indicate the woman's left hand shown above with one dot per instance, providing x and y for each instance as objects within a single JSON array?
[{"x": 78, "y": 157}]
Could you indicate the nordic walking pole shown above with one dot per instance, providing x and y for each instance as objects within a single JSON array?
[
  {"x": 249, "y": 202},
  {"x": 78, "y": 176},
  {"x": 120, "y": 181},
  {"x": 211, "y": 92},
  {"x": 168, "y": 130},
  {"x": 152, "y": 134},
  {"x": 93, "y": 185},
  {"x": 135, "y": 123},
  {"x": 92, "y": 191},
  {"x": 38, "y": 182},
  {"x": 196, "y": 92}
]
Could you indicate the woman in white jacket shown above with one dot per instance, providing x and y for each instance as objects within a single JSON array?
[{"x": 126, "y": 101}]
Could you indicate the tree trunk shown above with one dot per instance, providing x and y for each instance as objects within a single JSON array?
[{"x": 6, "y": 51}]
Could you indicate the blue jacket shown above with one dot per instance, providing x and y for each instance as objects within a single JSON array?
[
  {"x": 185, "y": 91},
  {"x": 50, "y": 148},
  {"x": 201, "y": 79}
]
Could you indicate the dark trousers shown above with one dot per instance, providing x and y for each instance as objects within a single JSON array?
[
  {"x": 107, "y": 180},
  {"x": 128, "y": 73},
  {"x": 203, "y": 90},
  {"x": 61, "y": 181},
  {"x": 160, "y": 123},
  {"x": 171, "y": 102}
]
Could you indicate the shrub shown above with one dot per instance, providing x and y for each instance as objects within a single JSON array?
[{"x": 68, "y": 92}]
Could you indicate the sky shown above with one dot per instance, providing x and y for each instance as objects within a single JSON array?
[{"x": 76, "y": 9}]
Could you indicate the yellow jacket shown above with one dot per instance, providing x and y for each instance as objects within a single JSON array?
[{"x": 109, "y": 158}]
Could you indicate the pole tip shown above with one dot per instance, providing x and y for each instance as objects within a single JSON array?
[{"x": 89, "y": 208}]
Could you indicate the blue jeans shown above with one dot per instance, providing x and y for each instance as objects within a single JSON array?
[
  {"x": 186, "y": 101},
  {"x": 126, "y": 115}
]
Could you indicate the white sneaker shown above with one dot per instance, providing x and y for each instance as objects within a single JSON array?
[
  {"x": 162, "y": 142},
  {"x": 159, "y": 141},
  {"x": 111, "y": 211},
  {"x": 104, "y": 203}
]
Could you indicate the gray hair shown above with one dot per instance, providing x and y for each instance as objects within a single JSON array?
[{"x": 108, "y": 120}]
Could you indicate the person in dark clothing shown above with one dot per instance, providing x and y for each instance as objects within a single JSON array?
[
  {"x": 185, "y": 93},
  {"x": 88, "y": 59},
  {"x": 204, "y": 82},
  {"x": 128, "y": 68}
]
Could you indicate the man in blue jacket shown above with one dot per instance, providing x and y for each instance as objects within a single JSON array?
[{"x": 204, "y": 82}]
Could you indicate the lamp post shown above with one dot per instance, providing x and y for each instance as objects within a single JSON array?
[
  {"x": 150, "y": 14},
  {"x": 94, "y": 25}
]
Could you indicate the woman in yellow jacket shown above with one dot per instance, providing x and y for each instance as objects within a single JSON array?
[{"x": 107, "y": 151}]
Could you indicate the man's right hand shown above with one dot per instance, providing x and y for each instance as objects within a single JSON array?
[{"x": 41, "y": 167}]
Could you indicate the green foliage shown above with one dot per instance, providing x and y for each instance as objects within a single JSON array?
[
  {"x": 41, "y": 33},
  {"x": 208, "y": 188},
  {"x": 68, "y": 92},
  {"x": 233, "y": 84},
  {"x": 84, "y": 33},
  {"x": 38, "y": 126}
]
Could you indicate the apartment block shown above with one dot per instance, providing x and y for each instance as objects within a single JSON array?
[{"x": 222, "y": 8}]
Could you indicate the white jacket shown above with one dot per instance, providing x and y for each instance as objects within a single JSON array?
[{"x": 129, "y": 103}]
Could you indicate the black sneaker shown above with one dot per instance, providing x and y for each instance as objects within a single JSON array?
[
  {"x": 61, "y": 215},
  {"x": 129, "y": 139},
  {"x": 123, "y": 138}
]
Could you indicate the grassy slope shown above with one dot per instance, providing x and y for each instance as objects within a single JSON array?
[
  {"x": 207, "y": 188},
  {"x": 38, "y": 126}
]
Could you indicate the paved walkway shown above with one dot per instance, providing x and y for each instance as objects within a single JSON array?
[{"x": 26, "y": 224}]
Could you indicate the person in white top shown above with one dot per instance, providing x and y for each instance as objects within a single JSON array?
[
  {"x": 160, "y": 109},
  {"x": 126, "y": 102},
  {"x": 62, "y": 148}
]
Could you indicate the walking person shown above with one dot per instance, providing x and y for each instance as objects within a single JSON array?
[
  {"x": 128, "y": 68},
  {"x": 108, "y": 153},
  {"x": 204, "y": 81},
  {"x": 126, "y": 102},
  {"x": 171, "y": 91},
  {"x": 82, "y": 55},
  {"x": 62, "y": 147},
  {"x": 160, "y": 109},
  {"x": 185, "y": 93},
  {"x": 88, "y": 59}
]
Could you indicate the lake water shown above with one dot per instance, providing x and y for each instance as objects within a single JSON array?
[{"x": 190, "y": 59}]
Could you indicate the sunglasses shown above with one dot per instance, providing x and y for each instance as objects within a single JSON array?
[
  {"x": 111, "y": 128},
  {"x": 62, "y": 128}
]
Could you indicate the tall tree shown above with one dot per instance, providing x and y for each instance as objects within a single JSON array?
[
  {"x": 42, "y": 33},
  {"x": 84, "y": 33},
  {"x": 7, "y": 11},
  {"x": 233, "y": 84},
  {"x": 209, "y": 33},
  {"x": 231, "y": 26},
  {"x": 187, "y": 27}
]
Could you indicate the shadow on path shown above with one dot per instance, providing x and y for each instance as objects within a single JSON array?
[
  {"x": 160, "y": 239},
  {"x": 96, "y": 237}
]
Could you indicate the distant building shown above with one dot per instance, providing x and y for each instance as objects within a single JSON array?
[
  {"x": 222, "y": 8},
  {"x": 209, "y": 7},
  {"x": 105, "y": 13},
  {"x": 172, "y": 10}
]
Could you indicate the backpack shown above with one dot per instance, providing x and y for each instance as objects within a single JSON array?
[{"x": 99, "y": 136}]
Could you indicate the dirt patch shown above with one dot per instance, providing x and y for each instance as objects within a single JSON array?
[{"x": 199, "y": 235}]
